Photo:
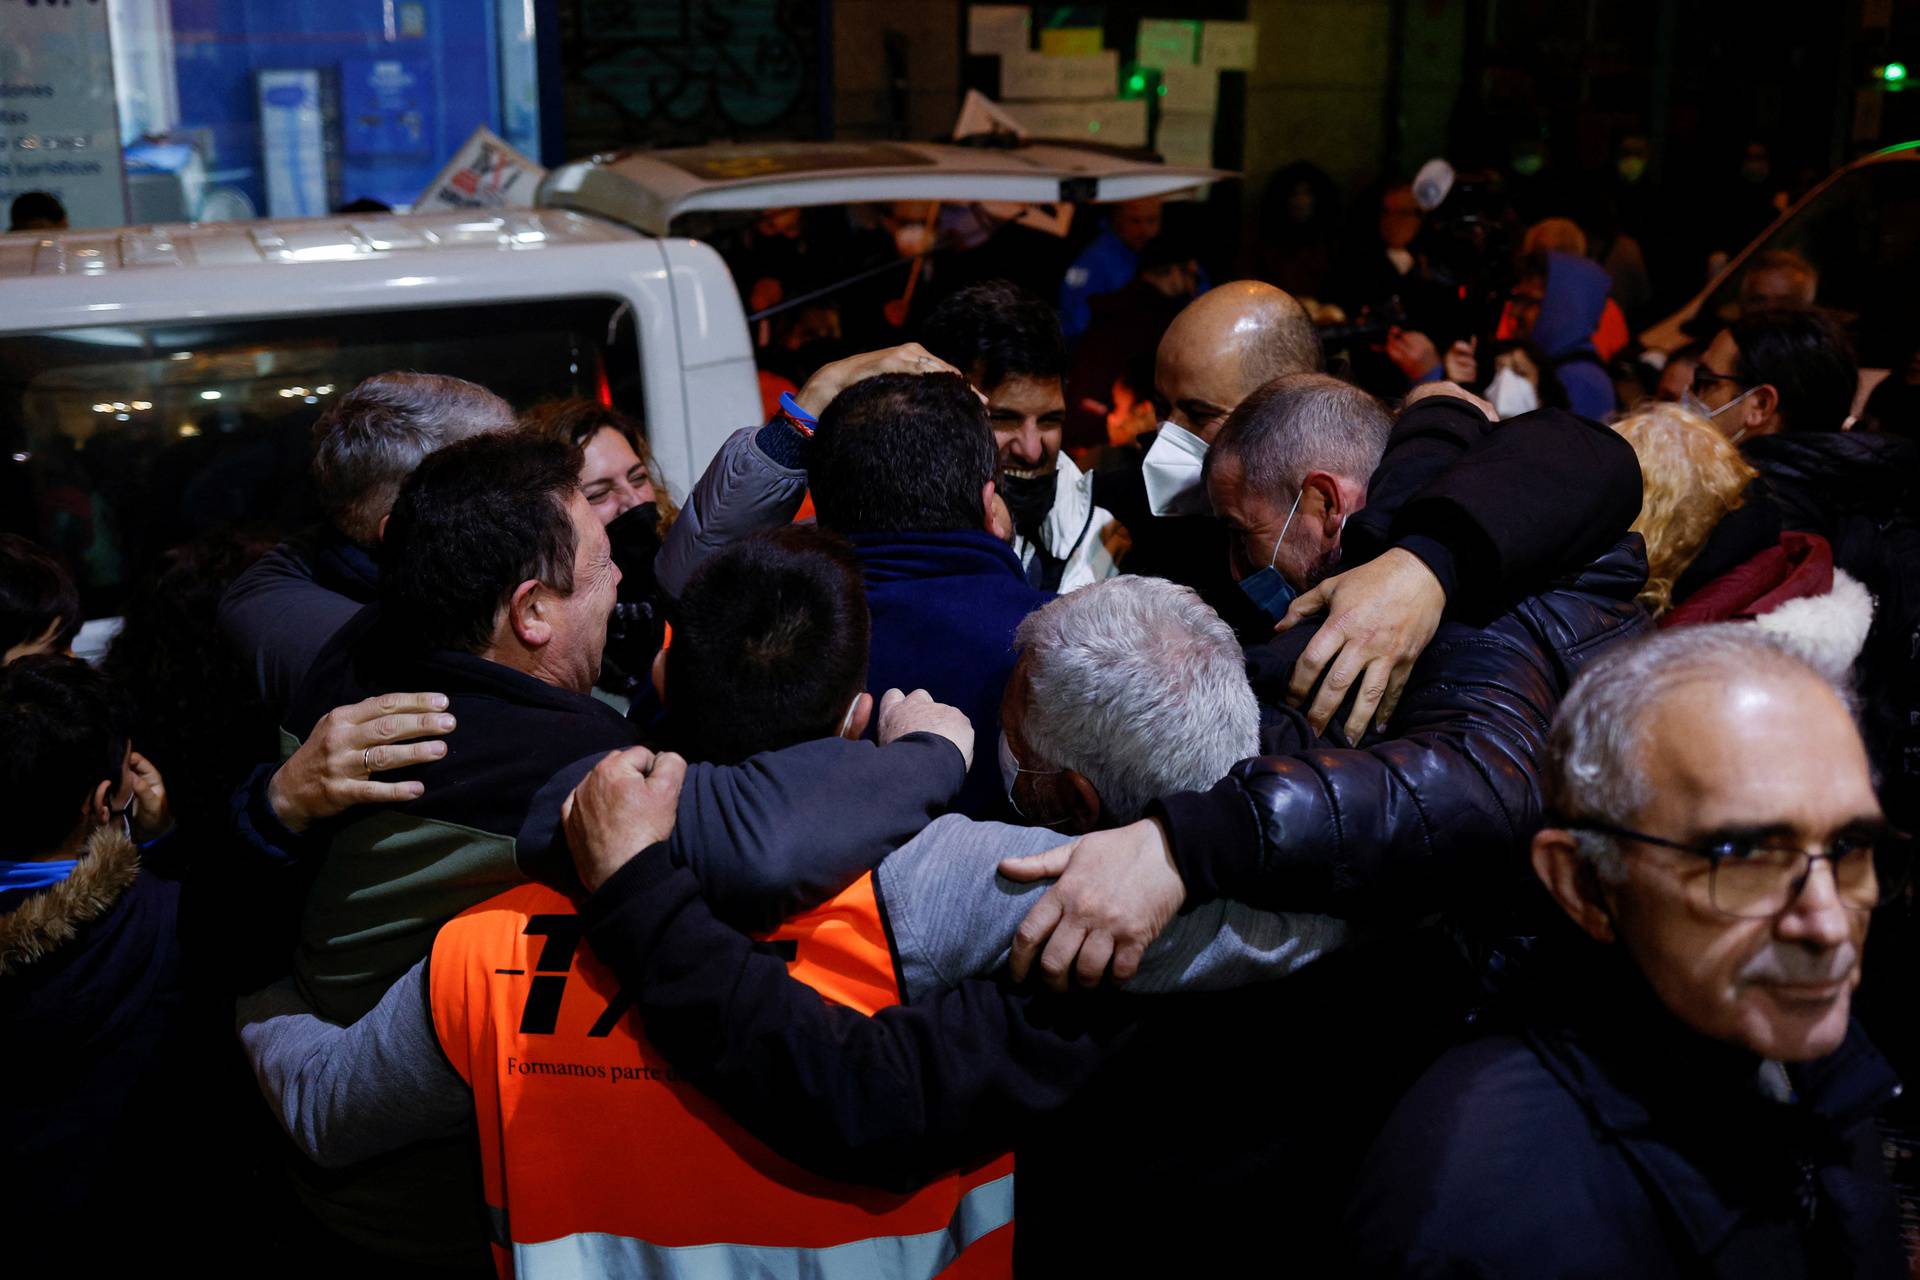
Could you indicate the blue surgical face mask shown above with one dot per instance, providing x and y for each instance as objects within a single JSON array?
[{"x": 1269, "y": 588}]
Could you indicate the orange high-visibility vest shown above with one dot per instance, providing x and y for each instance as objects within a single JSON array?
[{"x": 598, "y": 1160}]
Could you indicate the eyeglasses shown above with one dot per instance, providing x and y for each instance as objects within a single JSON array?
[
  {"x": 1756, "y": 877},
  {"x": 1704, "y": 377}
]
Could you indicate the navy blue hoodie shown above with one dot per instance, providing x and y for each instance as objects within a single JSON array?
[
  {"x": 945, "y": 607},
  {"x": 1576, "y": 294}
]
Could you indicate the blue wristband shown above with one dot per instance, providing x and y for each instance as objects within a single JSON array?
[{"x": 792, "y": 408}]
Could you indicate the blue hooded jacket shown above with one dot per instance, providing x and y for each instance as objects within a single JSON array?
[
  {"x": 945, "y": 607},
  {"x": 1576, "y": 294}
]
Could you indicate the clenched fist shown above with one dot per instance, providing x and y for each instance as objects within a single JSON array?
[{"x": 628, "y": 803}]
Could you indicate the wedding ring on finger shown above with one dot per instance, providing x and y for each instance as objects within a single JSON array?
[{"x": 366, "y": 760}]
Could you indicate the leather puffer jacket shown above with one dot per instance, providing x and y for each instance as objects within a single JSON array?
[{"x": 1408, "y": 821}]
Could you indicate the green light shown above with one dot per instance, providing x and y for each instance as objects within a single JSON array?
[
  {"x": 1137, "y": 83},
  {"x": 1163, "y": 91},
  {"x": 1894, "y": 72},
  {"x": 1093, "y": 126}
]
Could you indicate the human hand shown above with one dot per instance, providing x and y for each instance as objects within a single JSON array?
[
  {"x": 1454, "y": 389},
  {"x": 333, "y": 769},
  {"x": 1412, "y": 352},
  {"x": 1461, "y": 363},
  {"x": 830, "y": 380},
  {"x": 627, "y": 804},
  {"x": 917, "y": 712},
  {"x": 1381, "y": 616},
  {"x": 152, "y": 815},
  {"x": 1116, "y": 891}
]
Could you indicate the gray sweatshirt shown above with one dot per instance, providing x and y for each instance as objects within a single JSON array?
[{"x": 349, "y": 1093}]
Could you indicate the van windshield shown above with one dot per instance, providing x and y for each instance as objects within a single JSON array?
[{"x": 120, "y": 443}]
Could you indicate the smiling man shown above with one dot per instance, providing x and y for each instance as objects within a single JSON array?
[
  {"x": 1682, "y": 1091},
  {"x": 1007, "y": 342}
]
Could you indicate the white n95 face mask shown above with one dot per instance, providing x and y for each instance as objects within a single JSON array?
[
  {"x": 1172, "y": 472},
  {"x": 1512, "y": 395}
]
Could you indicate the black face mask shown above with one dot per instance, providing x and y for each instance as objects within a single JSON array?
[
  {"x": 1028, "y": 499},
  {"x": 635, "y": 538}
]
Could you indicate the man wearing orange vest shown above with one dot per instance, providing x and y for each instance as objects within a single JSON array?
[{"x": 596, "y": 1158}]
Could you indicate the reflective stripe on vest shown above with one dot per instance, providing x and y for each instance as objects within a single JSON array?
[
  {"x": 597, "y": 1159},
  {"x": 984, "y": 1209}
]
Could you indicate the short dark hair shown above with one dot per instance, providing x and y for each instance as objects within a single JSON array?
[
  {"x": 1804, "y": 354},
  {"x": 34, "y": 210},
  {"x": 474, "y": 521},
  {"x": 769, "y": 646},
  {"x": 1300, "y": 423},
  {"x": 63, "y": 730},
  {"x": 376, "y": 434},
  {"x": 902, "y": 453},
  {"x": 994, "y": 331},
  {"x": 34, "y": 593}
]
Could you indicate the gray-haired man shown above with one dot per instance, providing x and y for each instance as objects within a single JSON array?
[
  {"x": 1124, "y": 690},
  {"x": 1682, "y": 1091},
  {"x": 281, "y": 612}
]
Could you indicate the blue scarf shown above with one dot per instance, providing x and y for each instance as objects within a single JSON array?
[{"x": 25, "y": 876}]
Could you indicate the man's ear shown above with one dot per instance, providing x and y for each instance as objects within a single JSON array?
[
  {"x": 380, "y": 533},
  {"x": 97, "y": 808},
  {"x": 1763, "y": 404},
  {"x": 999, "y": 521},
  {"x": 1083, "y": 803},
  {"x": 1333, "y": 509},
  {"x": 859, "y": 716},
  {"x": 659, "y": 674},
  {"x": 526, "y": 613},
  {"x": 1572, "y": 881}
]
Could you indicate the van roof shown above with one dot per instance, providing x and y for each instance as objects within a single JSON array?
[
  {"x": 331, "y": 239},
  {"x": 647, "y": 190}
]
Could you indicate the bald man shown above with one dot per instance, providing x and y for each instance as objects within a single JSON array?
[
  {"x": 1458, "y": 514},
  {"x": 1219, "y": 349}
]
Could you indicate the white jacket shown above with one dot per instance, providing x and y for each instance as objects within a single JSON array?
[{"x": 1071, "y": 531}]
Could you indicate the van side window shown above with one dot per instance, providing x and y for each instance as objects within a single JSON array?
[{"x": 118, "y": 443}]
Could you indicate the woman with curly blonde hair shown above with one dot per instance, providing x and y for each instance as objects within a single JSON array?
[
  {"x": 1717, "y": 550},
  {"x": 1692, "y": 480}
]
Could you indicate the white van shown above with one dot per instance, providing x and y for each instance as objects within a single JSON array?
[{"x": 163, "y": 379}]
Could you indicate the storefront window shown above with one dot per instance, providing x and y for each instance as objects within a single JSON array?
[{"x": 140, "y": 111}]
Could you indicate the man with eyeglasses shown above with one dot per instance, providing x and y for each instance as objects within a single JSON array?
[
  {"x": 1680, "y": 1089},
  {"x": 1780, "y": 382},
  {"x": 1776, "y": 369}
]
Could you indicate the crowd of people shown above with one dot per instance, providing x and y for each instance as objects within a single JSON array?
[{"x": 1417, "y": 813}]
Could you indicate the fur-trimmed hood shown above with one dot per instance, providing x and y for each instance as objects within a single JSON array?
[
  {"x": 49, "y": 920},
  {"x": 1827, "y": 631}
]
